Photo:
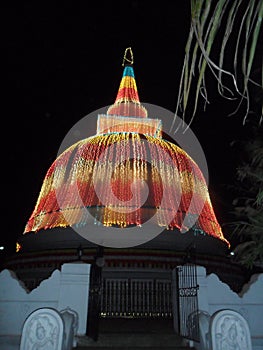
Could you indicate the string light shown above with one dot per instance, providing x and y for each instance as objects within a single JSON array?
[
  {"x": 125, "y": 58},
  {"x": 122, "y": 166},
  {"x": 110, "y": 171},
  {"x": 18, "y": 247}
]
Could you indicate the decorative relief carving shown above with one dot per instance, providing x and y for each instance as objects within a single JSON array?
[
  {"x": 43, "y": 329},
  {"x": 229, "y": 331}
]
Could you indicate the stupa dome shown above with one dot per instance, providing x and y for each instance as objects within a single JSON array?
[
  {"x": 125, "y": 175},
  {"x": 106, "y": 173}
]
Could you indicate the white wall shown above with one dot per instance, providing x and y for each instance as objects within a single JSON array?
[
  {"x": 68, "y": 287},
  {"x": 213, "y": 295}
]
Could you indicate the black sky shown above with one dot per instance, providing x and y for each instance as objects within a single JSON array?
[{"x": 63, "y": 61}]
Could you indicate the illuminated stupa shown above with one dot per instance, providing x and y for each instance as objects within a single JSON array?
[
  {"x": 101, "y": 180},
  {"x": 128, "y": 177}
]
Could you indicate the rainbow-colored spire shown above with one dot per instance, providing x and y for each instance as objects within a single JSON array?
[
  {"x": 127, "y": 103},
  {"x": 128, "y": 89},
  {"x": 127, "y": 114}
]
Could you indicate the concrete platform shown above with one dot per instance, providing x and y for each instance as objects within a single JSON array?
[{"x": 125, "y": 333}]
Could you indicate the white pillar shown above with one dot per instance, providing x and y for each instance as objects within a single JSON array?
[
  {"x": 74, "y": 291},
  {"x": 202, "y": 291}
]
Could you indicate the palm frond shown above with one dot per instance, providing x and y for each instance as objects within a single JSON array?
[{"x": 214, "y": 23}]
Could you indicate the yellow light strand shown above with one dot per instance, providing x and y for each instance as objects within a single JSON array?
[{"x": 125, "y": 58}]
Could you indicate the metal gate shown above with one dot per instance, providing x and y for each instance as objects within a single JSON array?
[
  {"x": 185, "y": 296},
  {"x": 136, "y": 297}
]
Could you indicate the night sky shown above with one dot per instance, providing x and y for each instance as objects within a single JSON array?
[{"x": 63, "y": 61}]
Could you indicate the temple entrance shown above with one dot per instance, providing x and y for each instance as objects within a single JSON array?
[
  {"x": 146, "y": 293},
  {"x": 136, "y": 293}
]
